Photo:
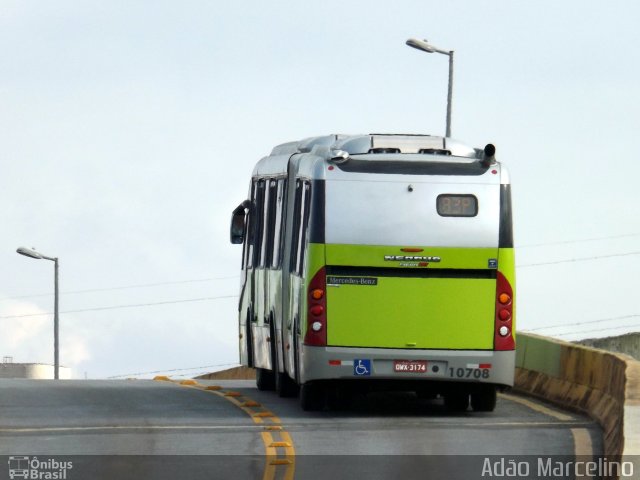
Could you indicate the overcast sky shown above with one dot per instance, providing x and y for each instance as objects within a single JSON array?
[{"x": 129, "y": 130}]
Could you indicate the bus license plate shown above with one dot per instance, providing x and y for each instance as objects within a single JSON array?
[{"x": 410, "y": 366}]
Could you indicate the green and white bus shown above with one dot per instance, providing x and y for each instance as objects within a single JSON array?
[{"x": 378, "y": 262}]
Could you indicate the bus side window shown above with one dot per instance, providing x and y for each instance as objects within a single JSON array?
[
  {"x": 304, "y": 217},
  {"x": 296, "y": 227},
  {"x": 258, "y": 222},
  {"x": 270, "y": 220},
  {"x": 277, "y": 227},
  {"x": 264, "y": 234}
]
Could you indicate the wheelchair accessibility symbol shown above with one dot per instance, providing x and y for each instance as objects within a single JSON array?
[{"x": 361, "y": 367}]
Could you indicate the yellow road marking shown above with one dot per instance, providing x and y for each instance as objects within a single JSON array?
[
  {"x": 193, "y": 383},
  {"x": 273, "y": 419},
  {"x": 274, "y": 459},
  {"x": 270, "y": 468},
  {"x": 271, "y": 446},
  {"x": 263, "y": 414},
  {"x": 289, "y": 450},
  {"x": 280, "y": 461},
  {"x": 279, "y": 444},
  {"x": 563, "y": 417}
]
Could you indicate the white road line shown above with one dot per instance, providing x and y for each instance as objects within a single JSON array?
[
  {"x": 577, "y": 424},
  {"x": 539, "y": 408},
  {"x": 131, "y": 427},
  {"x": 582, "y": 442}
]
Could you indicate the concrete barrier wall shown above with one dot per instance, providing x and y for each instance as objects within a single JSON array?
[
  {"x": 604, "y": 385},
  {"x": 629, "y": 344},
  {"x": 235, "y": 373}
]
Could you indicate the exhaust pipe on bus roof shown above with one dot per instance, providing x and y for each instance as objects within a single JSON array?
[
  {"x": 339, "y": 156},
  {"x": 489, "y": 155}
]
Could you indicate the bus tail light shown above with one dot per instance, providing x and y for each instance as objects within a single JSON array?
[
  {"x": 504, "y": 298},
  {"x": 316, "y": 334},
  {"x": 503, "y": 328}
]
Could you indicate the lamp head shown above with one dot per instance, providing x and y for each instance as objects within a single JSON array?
[
  {"x": 28, "y": 252},
  {"x": 420, "y": 45}
]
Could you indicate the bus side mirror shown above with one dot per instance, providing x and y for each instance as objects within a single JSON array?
[{"x": 238, "y": 223}]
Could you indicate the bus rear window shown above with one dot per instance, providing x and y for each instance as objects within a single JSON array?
[{"x": 457, "y": 205}]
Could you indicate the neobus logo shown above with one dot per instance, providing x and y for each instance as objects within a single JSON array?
[{"x": 410, "y": 258}]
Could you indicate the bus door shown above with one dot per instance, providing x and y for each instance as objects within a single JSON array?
[
  {"x": 246, "y": 305},
  {"x": 296, "y": 264},
  {"x": 273, "y": 289},
  {"x": 260, "y": 328}
]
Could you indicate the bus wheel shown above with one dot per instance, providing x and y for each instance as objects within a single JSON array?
[
  {"x": 311, "y": 397},
  {"x": 484, "y": 400},
  {"x": 285, "y": 387},
  {"x": 426, "y": 395},
  {"x": 338, "y": 398},
  {"x": 457, "y": 401},
  {"x": 265, "y": 379},
  {"x": 249, "y": 340}
]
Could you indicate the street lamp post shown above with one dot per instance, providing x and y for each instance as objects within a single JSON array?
[
  {"x": 427, "y": 47},
  {"x": 28, "y": 252}
]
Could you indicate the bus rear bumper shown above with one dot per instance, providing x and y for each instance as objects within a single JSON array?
[{"x": 367, "y": 364}]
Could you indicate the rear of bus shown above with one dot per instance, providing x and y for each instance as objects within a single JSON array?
[{"x": 414, "y": 277}]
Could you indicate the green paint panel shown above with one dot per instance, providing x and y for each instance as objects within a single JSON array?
[
  {"x": 315, "y": 259},
  {"x": 430, "y": 313}
]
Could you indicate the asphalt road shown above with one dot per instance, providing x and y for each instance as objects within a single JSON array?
[{"x": 158, "y": 429}]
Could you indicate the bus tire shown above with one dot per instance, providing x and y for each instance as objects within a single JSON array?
[
  {"x": 457, "y": 401},
  {"x": 484, "y": 400},
  {"x": 249, "y": 340},
  {"x": 285, "y": 386},
  {"x": 338, "y": 398},
  {"x": 296, "y": 350},
  {"x": 311, "y": 397},
  {"x": 426, "y": 395},
  {"x": 265, "y": 379}
]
